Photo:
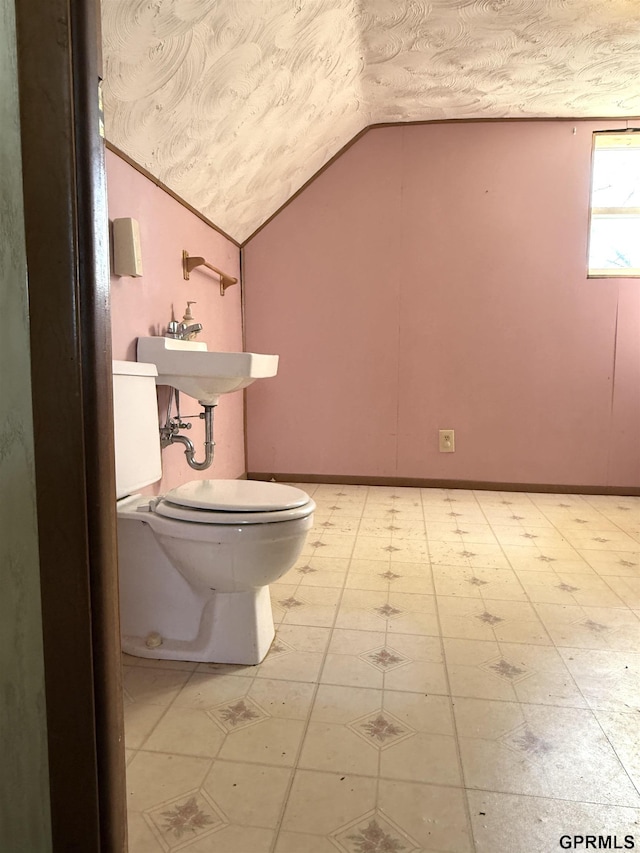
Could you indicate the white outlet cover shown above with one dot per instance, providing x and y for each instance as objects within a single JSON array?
[{"x": 446, "y": 440}]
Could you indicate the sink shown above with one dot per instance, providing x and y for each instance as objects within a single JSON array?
[{"x": 192, "y": 369}]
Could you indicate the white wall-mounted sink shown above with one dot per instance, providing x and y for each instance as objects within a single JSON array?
[{"x": 192, "y": 369}]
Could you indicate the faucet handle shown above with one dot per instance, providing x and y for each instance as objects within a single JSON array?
[{"x": 173, "y": 329}]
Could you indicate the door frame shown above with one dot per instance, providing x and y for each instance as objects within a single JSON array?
[{"x": 66, "y": 226}]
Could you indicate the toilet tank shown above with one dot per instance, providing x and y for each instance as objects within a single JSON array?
[{"x": 135, "y": 421}]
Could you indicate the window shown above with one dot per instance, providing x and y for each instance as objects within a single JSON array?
[{"x": 614, "y": 238}]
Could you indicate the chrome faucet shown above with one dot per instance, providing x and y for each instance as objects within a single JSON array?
[{"x": 180, "y": 331}]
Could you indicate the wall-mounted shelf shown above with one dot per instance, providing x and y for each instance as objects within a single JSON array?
[{"x": 190, "y": 262}]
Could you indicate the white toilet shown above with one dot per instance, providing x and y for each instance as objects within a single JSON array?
[{"x": 195, "y": 564}]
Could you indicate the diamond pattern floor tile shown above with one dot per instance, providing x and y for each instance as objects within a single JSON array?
[{"x": 422, "y": 634}]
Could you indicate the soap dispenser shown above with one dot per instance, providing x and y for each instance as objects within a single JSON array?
[{"x": 189, "y": 320}]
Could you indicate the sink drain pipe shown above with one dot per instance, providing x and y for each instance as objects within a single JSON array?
[{"x": 169, "y": 433}]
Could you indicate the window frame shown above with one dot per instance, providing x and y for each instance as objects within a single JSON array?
[{"x": 615, "y": 213}]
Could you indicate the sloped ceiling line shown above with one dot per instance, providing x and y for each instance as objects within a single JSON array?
[{"x": 235, "y": 104}]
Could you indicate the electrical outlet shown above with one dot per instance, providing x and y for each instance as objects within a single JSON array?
[{"x": 447, "y": 440}]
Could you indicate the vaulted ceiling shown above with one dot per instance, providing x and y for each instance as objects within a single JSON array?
[{"x": 235, "y": 104}]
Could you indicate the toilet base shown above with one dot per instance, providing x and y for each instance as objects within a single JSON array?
[{"x": 235, "y": 627}]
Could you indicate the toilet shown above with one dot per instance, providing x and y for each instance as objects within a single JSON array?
[{"x": 195, "y": 564}]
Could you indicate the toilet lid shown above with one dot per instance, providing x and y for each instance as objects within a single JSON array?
[
  {"x": 237, "y": 495},
  {"x": 235, "y": 502}
]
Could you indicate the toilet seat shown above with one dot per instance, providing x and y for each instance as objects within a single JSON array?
[{"x": 234, "y": 502}]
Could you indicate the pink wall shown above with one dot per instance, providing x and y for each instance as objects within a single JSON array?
[
  {"x": 143, "y": 306},
  {"x": 434, "y": 277}
]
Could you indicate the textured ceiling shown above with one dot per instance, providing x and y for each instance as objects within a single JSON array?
[{"x": 234, "y": 104}]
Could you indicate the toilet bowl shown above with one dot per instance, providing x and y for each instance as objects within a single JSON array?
[
  {"x": 194, "y": 579},
  {"x": 195, "y": 564}
]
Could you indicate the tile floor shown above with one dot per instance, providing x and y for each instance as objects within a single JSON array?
[{"x": 452, "y": 671}]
